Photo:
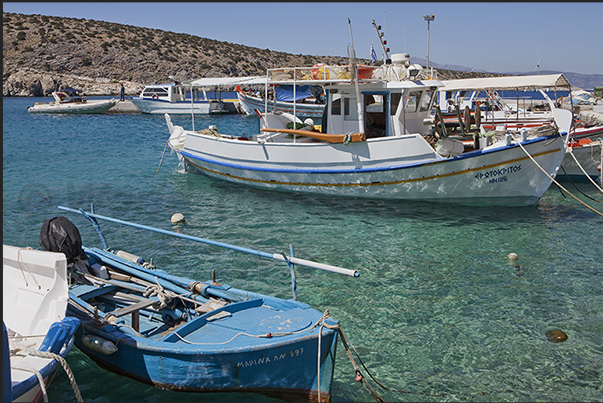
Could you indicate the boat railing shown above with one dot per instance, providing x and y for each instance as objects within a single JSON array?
[{"x": 325, "y": 74}]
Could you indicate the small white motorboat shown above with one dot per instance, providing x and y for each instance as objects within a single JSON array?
[{"x": 69, "y": 101}]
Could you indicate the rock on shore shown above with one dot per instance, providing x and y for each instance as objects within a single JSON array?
[{"x": 30, "y": 82}]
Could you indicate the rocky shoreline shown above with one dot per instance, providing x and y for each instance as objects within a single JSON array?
[{"x": 28, "y": 82}]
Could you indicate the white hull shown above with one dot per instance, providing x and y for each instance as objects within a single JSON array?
[
  {"x": 160, "y": 107},
  {"x": 73, "y": 108},
  {"x": 35, "y": 297},
  {"x": 496, "y": 175}
]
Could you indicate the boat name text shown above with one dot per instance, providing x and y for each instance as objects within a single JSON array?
[
  {"x": 497, "y": 175},
  {"x": 266, "y": 360}
]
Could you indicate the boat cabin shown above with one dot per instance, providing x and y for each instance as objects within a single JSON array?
[
  {"x": 176, "y": 93},
  {"x": 389, "y": 100},
  {"x": 385, "y": 108}
]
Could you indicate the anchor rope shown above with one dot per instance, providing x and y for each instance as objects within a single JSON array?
[
  {"x": 557, "y": 183},
  {"x": 360, "y": 378}
]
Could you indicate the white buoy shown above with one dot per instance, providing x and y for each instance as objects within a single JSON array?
[
  {"x": 512, "y": 256},
  {"x": 177, "y": 218}
]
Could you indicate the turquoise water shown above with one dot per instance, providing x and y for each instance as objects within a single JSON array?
[{"x": 438, "y": 308}]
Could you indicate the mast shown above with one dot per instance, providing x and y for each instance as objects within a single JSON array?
[{"x": 352, "y": 54}]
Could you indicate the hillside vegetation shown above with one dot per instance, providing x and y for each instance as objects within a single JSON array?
[{"x": 43, "y": 53}]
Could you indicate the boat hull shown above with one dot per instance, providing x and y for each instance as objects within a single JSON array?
[
  {"x": 583, "y": 159},
  {"x": 74, "y": 108},
  {"x": 402, "y": 167},
  {"x": 161, "y": 106},
  {"x": 255, "y": 343},
  {"x": 286, "y": 370},
  {"x": 249, "y": 104},
  {"x": 34, "y": 305}
]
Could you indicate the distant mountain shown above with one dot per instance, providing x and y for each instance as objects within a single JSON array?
[
  {"x": 583, "y": 81},
  {"x": 43, "y": 53}
]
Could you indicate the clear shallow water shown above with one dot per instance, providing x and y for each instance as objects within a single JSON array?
[{"x": 437, "y": 307}]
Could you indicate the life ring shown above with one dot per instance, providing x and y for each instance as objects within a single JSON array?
[{"x": 155, "y": 96}]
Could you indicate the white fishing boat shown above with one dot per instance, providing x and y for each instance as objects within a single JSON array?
[
  {"x": 523, "y": 113},
  {"x": 375, "y": 140},
  {"x": 37, "y": 333},
  {"x": 69, "y": 101},
  {"x": 178, "y": 99}
]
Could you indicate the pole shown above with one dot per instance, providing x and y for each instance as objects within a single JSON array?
[
  {"x": 274, "y": 256},
  {"x": 428, "y": 18},
  {"x": 355, "y": 78}
]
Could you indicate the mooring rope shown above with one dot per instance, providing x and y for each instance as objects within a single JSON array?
[
  {"x": 360, "y": 378},
  {"x": 557, "y": 183},
  {"x": 571, "y": 152},
  {"x": 62, "y": 361},
  {"x": 38, "y": 375},
  {"x": 578, "y": 189}
]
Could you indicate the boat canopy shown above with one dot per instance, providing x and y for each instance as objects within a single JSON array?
[
  {"x": 508, "y": 83},
  {"x": 285, "y": 93},
  {"x": 219, "y": 81}
]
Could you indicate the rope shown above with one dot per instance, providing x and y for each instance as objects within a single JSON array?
[
  {"x": 571, "y": 152},
  {"x": 369, "y": 388},
  {"x": 66, "y": 368},
  {"x": 23, "y": 265},
  {"x": 259, "y": 336},
  {"x": 38, "y": 375},
  {"x": 576, "y": 187},
  {"x": 162, "y": 155},
  {"x": 554, "y": 181}
]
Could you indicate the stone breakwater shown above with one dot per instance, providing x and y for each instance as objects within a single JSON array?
[{"x": 28, "y": 82}]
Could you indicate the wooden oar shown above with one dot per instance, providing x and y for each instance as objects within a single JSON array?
[{"x": 331, "y": 138}]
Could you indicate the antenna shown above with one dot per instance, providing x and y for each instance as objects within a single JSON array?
[
  {"x": 537, "y": 68},
  {"x": 383, "y": 42}
]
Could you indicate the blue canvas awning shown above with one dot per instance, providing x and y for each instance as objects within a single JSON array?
[{"x": 285, "y": 92}]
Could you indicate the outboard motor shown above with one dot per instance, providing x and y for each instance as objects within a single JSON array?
[{"x": 58, "y": 234}]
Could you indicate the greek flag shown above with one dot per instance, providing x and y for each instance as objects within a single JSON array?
[{"x": 373, "y": 55}]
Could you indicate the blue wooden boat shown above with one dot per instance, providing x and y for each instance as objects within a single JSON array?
[{"x": 185, "y": 335}]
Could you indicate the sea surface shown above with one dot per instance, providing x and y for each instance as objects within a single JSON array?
[{"x": 439, "y": 313}]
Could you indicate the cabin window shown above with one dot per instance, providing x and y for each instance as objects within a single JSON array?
[
  {"x": 395, "y": 101},
  {"x": 427, "y": 100},
  {"x": 336, "y": 107},
  {"x": 162, "y": 92},
  {"x": 412, "y": 102},
  {"x": 375, "y": 122}
]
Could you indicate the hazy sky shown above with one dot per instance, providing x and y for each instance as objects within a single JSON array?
[{"x": 491, "y": 36}]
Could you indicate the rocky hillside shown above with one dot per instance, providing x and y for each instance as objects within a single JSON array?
[{"x": 44, "y": 53}]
